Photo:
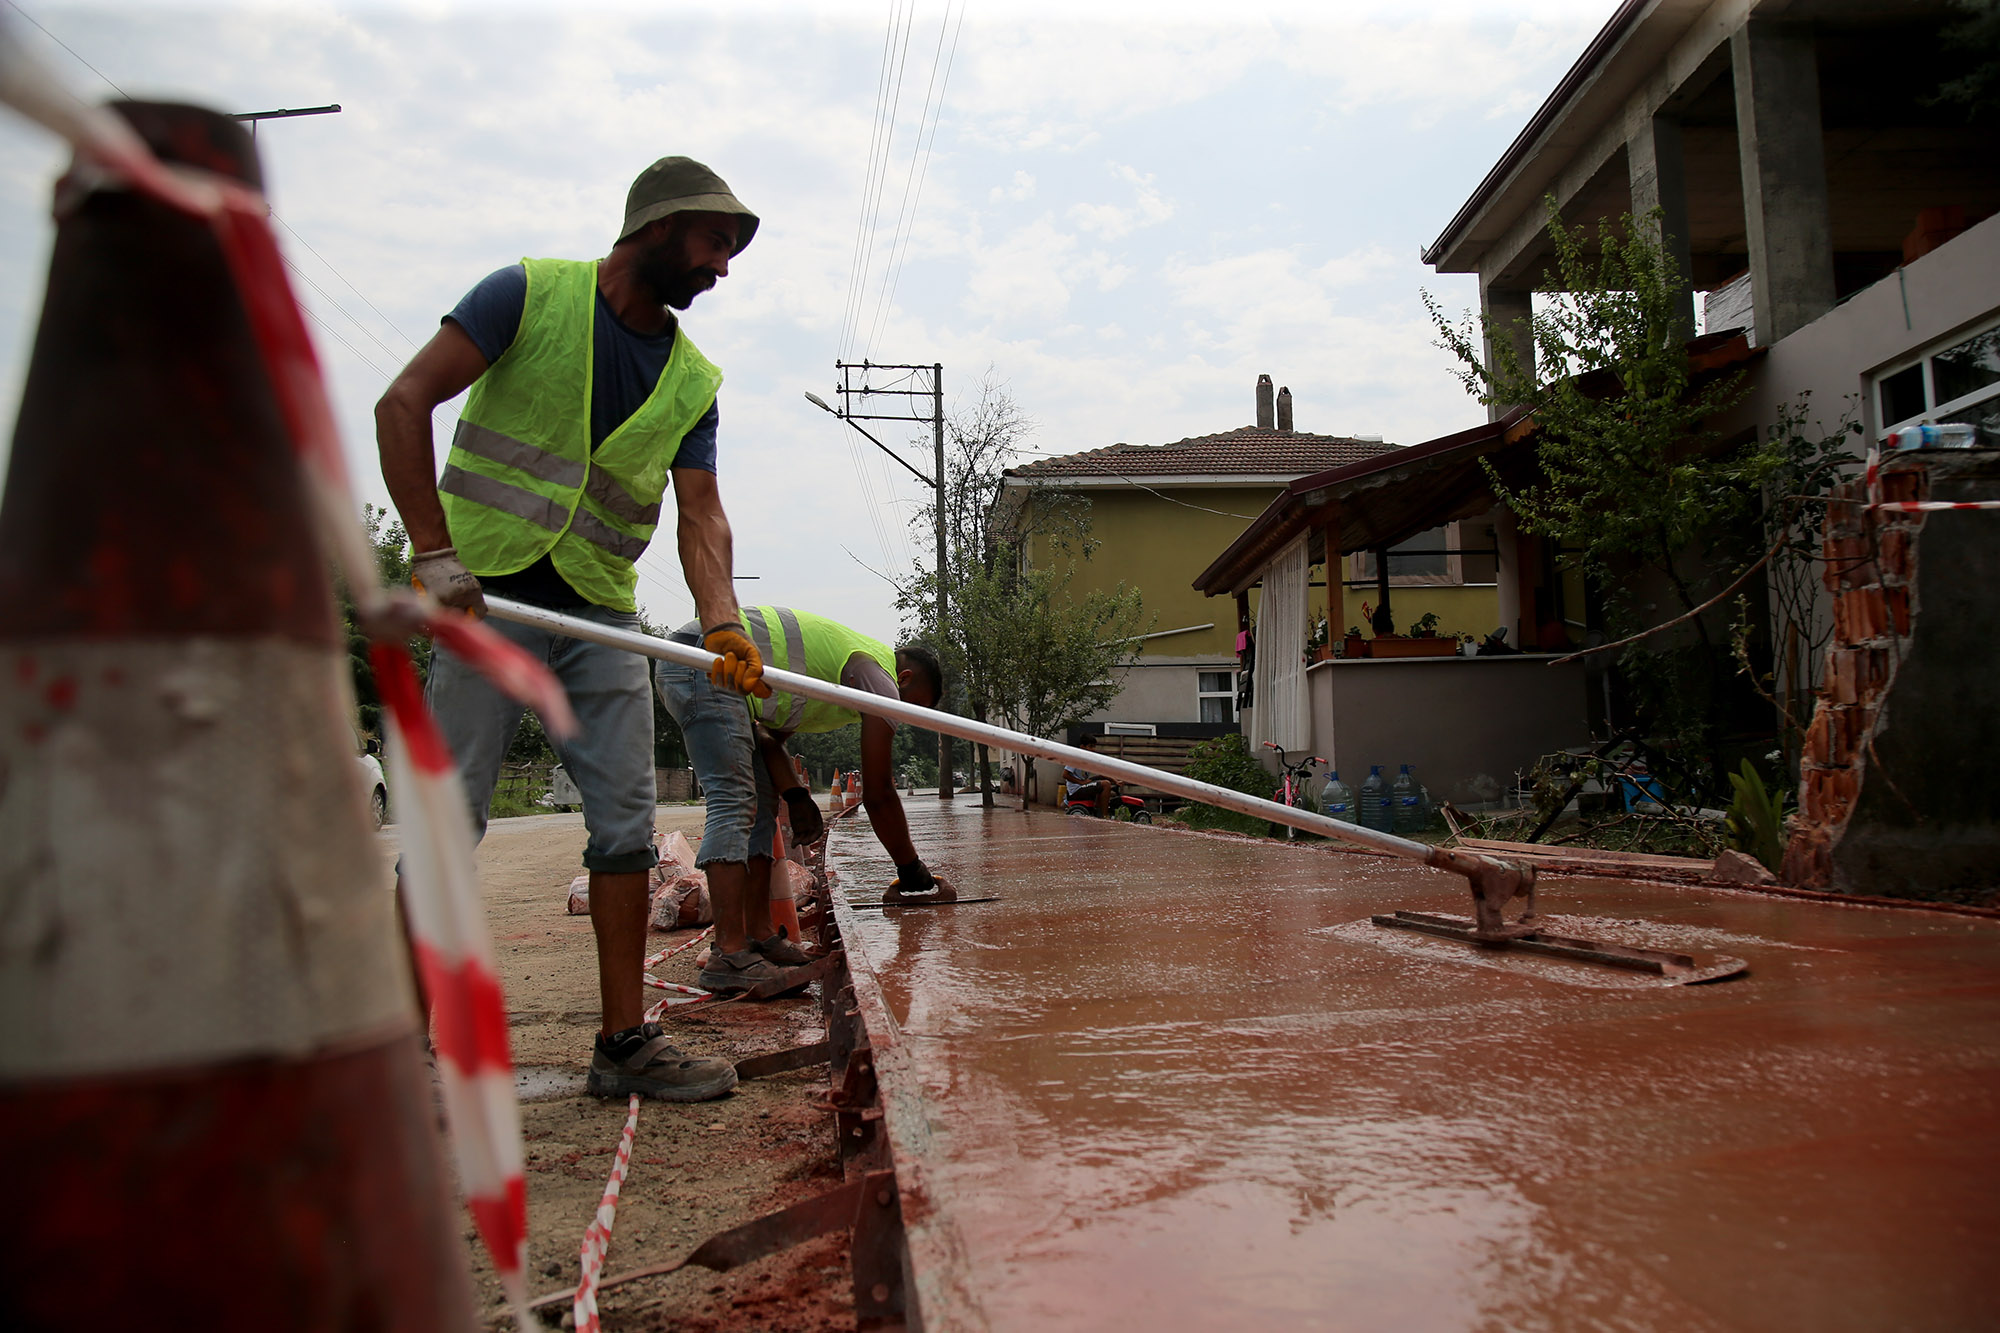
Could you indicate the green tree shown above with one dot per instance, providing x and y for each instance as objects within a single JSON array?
[
  {"x": 1025, "y": 649},
  {"x": 1634, "y": 483}
]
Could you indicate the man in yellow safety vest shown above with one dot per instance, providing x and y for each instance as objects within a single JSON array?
[
  {"x": 586, "y": 398},
  {"x": 737, "y": 749}
]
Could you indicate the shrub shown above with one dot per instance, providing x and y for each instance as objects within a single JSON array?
[{"x": 1227, "y": 762}]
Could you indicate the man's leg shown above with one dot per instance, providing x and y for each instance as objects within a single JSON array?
[
  {"x": 618, "y": 904},
  {"x": 715, "y": 724},
  {"x": 611, "y": 760}
]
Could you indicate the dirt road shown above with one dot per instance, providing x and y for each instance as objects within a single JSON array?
[{"x": 695, "y": 1169}]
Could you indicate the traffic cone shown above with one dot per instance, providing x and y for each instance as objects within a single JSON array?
[
  {"x": 214, "y": 1110},
  {"x": 784, "y": 900}
]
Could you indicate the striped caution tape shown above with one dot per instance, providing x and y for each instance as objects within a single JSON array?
[
  {"x": 597, "y": 1236},
  {"x": 447, "y": 919},
  {"x": 682, "y": 947}
]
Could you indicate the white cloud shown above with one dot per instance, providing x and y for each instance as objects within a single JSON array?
[
  {"x": 1022, "y": 188},
  {"x": 1112, "y": 221}
]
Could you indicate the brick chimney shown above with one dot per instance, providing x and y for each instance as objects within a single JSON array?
[
  {"x": 1265, "y": 418},
  {"x": 1284, "y": 409}
]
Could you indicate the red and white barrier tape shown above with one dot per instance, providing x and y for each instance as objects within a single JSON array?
[
  {"x": 447, "y": 919},
  {"x": 597, "y": 1236},
  {"x": 682, "y": 947},
  {"x": 674, "y": 986}
]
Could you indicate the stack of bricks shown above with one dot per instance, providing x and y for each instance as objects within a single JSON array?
[{"x": 1871, "y": 568}]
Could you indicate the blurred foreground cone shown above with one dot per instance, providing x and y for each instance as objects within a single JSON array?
[{"x": 214, "y": 1110}]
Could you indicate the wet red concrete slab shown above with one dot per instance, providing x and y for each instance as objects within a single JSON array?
[{"x": 1168, "y": 1083}]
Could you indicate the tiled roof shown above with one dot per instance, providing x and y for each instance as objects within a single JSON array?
[{"x": 1248, "y": 450}]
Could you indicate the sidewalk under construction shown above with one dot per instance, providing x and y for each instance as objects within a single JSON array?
[{"x": 1173, "y": 1080}]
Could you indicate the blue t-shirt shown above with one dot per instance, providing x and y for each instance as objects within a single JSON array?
[{"x": 626, "y": 366}]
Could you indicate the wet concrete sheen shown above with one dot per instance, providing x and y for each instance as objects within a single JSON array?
[{"x": 1170, "y": 1084}]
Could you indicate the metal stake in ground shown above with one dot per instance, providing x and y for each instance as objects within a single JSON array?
[{"x": 1494, "y": 884}]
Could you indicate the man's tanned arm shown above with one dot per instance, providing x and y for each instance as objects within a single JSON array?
[
  {"x": 706, "y": 547},
  {"x": 445, "y": 368}
]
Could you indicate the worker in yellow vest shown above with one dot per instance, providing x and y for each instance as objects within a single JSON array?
[
  {"x": 736, "y": 746},
  {"x": 586, "y": 397}
]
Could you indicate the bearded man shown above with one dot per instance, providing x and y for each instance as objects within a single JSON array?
[{"x": 587, "y": 396}]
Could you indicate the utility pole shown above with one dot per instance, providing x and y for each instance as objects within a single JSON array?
[{"x": 850, "y": 392}]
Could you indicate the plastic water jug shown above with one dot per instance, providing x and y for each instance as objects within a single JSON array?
[
  {"x": 1336, "y": 799},
  {"x": 1406, "y": 803},
  {"x": 1375, "y": 800}
]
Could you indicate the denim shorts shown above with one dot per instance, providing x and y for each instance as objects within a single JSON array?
[
  {"x": 742, "y": 814},
  {"x": 610, "y": 758}
]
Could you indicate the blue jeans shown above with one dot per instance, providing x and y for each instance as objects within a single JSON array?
[
  {"x": 742, "y": 802},
  {"x": 610, "y": 758}
]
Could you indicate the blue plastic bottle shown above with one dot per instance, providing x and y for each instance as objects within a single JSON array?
[
  {"x": 1406, "y": 803},
  {"x": 1374, "y": 800},
  {"x": 1336, "y": 799}
]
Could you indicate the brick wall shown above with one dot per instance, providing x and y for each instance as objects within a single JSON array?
[{"x": 1871, "y": 571}]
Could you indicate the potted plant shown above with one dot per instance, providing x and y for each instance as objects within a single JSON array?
[
  {"x": 1318, "y": 643},
  {"x": 1354, "y": 645},
  {"x": 1426, "y": 627}
]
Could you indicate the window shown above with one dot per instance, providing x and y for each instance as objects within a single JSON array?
[
  {"x": 1216, "y": 692},
  {"x": 1959, "y": 382},
  {"x": 1427, "y": 558}
]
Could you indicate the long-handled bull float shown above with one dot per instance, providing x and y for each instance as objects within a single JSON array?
[{"x": 1494, "y": 884}]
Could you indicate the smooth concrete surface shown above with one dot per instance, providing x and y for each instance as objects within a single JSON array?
[
  {"x": 1166, "y": 1082},
  {"x": 1466, "y": 725}
]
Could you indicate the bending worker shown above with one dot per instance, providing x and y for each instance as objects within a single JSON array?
[
  {"x": 737, "y": 749},
  {"x": 586, "y": 396}
]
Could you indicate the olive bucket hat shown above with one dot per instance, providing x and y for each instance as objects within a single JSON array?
[{"x": 683, "y": 185}]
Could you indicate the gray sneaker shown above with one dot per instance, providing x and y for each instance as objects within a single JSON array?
[
  {"x": 656, "y": 1068},
  {"x": 781, "y": 951},
  {"x": 729, "y": 973}
]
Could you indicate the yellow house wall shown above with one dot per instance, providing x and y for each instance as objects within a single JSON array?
[{"x": 1159, "y": 546}]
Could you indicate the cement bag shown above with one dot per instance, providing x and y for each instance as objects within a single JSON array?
[
  {"x": 579, "y": 896},
  {"x": 680, "y": 892},
  {"x": 676, "y": 857},
  {"x": 682, "y": 902}
]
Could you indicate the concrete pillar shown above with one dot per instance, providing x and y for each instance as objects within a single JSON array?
[
  {"x": 1784, "y": 176},
  {"x": 1507, "y": 592},
  {"x": 1507, "y": 312},
  {"x": 1655, "y": 163}
]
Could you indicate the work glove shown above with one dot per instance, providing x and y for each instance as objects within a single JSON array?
[
  {"x": 441, "y": 574},
  {"x": 737, "y": 664},
  {"x": 808, "y": 824}
]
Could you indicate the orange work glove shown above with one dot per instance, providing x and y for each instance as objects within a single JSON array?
[{"x": 737, "y": 664}]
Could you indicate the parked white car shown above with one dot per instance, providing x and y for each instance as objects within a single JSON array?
[{"x": 377, "y": 786}]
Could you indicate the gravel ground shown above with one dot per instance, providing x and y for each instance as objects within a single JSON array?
[{"x": 696, "y": 1169}]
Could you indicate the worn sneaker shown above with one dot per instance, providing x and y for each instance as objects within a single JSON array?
[
  {"x": 731, "y": 973},
  {"x": 782, "y": 951},
  {"x": 642, "y": 1060}
]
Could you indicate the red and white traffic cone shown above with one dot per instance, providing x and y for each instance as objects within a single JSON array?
[{"x": 214, "y": 1111}]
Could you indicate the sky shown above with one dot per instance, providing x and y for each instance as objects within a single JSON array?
[{"x": 1122, "y": 212}]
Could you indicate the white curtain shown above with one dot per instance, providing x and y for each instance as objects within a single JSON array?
[{"x": 1279, "y": 708}]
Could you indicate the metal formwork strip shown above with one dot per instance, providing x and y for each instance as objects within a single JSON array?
[{"x": 936, "y": 1294}]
